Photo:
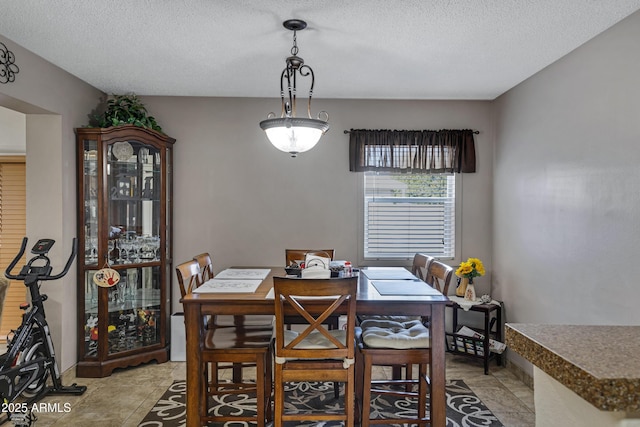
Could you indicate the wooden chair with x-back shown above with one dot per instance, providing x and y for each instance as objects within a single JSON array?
[{"x": 315, "y": 353}]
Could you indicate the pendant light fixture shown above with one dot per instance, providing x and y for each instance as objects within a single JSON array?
[{"x": 290, "y": 133}]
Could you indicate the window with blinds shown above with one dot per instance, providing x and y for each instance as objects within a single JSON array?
[
  {"x": 12, "y": 230},
  {"x": 408, "y": 213}
]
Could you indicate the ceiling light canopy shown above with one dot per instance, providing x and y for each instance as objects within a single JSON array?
[{"x": 290, "y": 133}]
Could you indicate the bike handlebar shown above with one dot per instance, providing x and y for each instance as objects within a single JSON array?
[
  {"x": 7, "y": 272},
  {"x": 65, "y": 270},
  {"x": 74, "y": 251}
]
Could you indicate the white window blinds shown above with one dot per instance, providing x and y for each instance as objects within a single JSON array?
[{"x": 408, "y": 213}]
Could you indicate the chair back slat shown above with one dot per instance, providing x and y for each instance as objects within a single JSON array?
[
  {"x": 188, "y": 277},
  {"x": 314, "y": 300},
  {"x": 420, "y": 266},
  {"x": 206, "y": 266},
  {"x": 292, "y": 255},
  {"x": 439, "y": 276}
]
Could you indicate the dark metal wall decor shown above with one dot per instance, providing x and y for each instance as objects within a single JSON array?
[{"x": 8, "y": 67}]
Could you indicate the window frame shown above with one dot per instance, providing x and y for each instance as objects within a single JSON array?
[{"x": 402, "y": 260}]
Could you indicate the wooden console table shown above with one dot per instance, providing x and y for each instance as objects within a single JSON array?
[{"x": 474, "y": 347}]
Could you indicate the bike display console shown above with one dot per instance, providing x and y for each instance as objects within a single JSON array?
[{"x": 42, "y": 246}]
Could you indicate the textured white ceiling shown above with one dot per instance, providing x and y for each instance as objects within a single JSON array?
[{"x": 385, "y": 49}]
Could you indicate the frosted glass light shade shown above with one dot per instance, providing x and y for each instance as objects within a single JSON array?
[{"x": 294, "y": 135}]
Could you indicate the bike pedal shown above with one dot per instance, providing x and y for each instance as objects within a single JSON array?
[{"x": 24, "y": 306}]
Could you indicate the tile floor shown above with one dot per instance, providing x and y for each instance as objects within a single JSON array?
[{"x": 124, "y": 398}]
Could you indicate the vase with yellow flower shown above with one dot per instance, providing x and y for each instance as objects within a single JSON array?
[{"x": 467, "y": 270}]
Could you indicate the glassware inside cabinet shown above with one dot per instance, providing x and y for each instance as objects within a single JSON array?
[
  {"x": 133, "y": 180},
  {"x": 90, "y": 315},
  {"x": 134, "y": 309},
  {"x": 90, "y": 169}
]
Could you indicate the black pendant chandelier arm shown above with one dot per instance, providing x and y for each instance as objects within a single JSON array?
[
  {"x": 305, "y": 70},
  {"x": 285, "y": 111},
  {"x": 289, "y": 106}
]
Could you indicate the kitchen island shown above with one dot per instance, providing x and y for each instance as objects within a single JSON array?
[{"x": 584, "y": 375}]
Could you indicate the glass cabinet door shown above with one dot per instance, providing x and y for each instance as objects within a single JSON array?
[
  {"x": 134, "y": 310},
  {"x": 133, "y": 211},
  {"x": 134, "y": 307},
  {"x": 90, "y": 171},
  {"x": 133, "y": 182}
]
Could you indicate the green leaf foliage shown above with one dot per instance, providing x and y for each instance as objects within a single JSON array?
[{"x": 123, "y": 110}]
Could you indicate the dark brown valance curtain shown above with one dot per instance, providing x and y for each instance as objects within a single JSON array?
[{"x": 412, "y": 151}]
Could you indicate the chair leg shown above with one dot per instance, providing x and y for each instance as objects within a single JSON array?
[
  {"x": 396, "y": 372},
  {"x": 359, "y": 377},
  {"x": 422, "y": 391},
  {"x": 408, "y": 376},
  {"x": 204, "y": 391},
  {"x": 278, "y": 392},
  {"x": 260, "y": 391},
  {"x": 237, "y": 373},
  {"x": 268, "y": 386},
  {"x": 366, "y": 393},
  {"x": 349, "y": 397}
]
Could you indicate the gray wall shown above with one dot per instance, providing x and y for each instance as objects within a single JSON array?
[
  {"x": 566, "y": 187},
  {"x": 13, "y": 129},
  {"x": 243, "y": 201}
]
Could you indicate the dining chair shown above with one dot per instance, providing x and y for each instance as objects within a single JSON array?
[
  {"x": 295, "y": 255},
  {"x": 439, "y": 276},
  {"x": 315, "y": 353},
  {"x": 243, "y": 345},
  {"x": 206, "y": 273},
  {"x": 205, "y": 264},
  {"x": 395, "y": 344},
  {"x": 420, "y": 266},
  {"x": 188, "y": 277}
]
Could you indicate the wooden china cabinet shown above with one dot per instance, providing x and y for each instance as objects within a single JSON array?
[{"x": 124, "y": 224}]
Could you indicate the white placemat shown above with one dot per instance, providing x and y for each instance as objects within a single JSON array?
[
  {"x": 243, "y": 273},
  {"x": 388, "y": 273},
  {"x": 403, "y": 287},
  {"x": 216, "y": 285}
]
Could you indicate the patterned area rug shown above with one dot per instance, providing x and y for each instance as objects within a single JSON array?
[{"x": 464, "y": 408}]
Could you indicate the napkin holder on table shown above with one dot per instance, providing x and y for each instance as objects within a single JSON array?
[{"x": 316, "y": 267}]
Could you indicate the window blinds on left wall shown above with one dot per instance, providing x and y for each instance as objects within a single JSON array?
[{"x": 12, "y": 229}]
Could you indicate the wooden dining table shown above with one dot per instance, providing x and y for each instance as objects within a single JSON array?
[{"x": 369, "y": 302}]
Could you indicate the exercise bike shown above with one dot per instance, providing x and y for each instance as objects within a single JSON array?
[{"x": 30, "y": 358}]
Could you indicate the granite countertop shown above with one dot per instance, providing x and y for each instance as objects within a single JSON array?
[{"x": 599, "y": 363}]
